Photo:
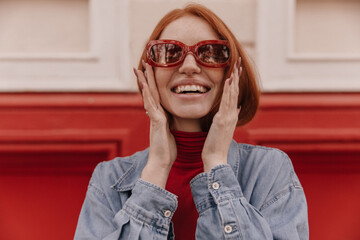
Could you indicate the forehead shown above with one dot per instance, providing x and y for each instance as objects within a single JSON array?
[{"x": 189, "y": 29}]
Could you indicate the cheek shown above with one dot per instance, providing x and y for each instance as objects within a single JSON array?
[
  {"x": 162, "y": 76},
  {"x": 216, "y": 75}
]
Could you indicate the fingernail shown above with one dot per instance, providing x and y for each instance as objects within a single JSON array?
[{"x": 135, "y": 72}]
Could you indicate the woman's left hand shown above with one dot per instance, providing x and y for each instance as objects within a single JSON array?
[{"x": 222, "y": 129}]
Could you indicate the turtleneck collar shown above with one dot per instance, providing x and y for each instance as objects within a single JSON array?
[{"x": 189, "y": 147}]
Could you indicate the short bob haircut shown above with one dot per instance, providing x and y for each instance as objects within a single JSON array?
[{"x": 248, "y": 89}]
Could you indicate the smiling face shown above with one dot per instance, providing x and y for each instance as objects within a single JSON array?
[{"x": 188, "y": 91}]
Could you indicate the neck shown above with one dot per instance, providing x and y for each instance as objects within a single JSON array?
[{"x": 186, "y": 125}]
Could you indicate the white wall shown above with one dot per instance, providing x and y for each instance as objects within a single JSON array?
[
  {"x": 92, "y": 45},
  {"x": 309, "y": 45}
]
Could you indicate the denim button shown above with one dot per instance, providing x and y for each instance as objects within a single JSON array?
[
  {"x": 228, "y": 229},
  {"x": 167, "y": 213},
  {"x": 215, "y": 185}
]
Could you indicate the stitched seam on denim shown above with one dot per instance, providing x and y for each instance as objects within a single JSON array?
[
  {"x": 222, "y": 220},
  {"x": 287, "y": 189},
  {"x": 138, "y": 216},
  {"x": 235, "y": 227},
  {"x": 212, "y": 173},
  {"x": 213, "y": 206},
  {"x": 96, "y": 189},
  {"x": 220, "y": 167},
  {"x": 127, "y": 172},
  {"x": 246, "y": 146},
  {"x": 238, "y": 221},
  {"x": 199, "y": 176},
  {"x": 149, "y": 221},
  {"x": 277, "y": 197},
  {"x": 170, "y": 196},
  {"x": 204, "y": 205},
  {"x": 219, "y": 194},
  {"x": 267, "y": 149},
  {"x": 228, "y": 196},
  {"x": 295, "y": 181},
  {"x": 237, "y": 163}
]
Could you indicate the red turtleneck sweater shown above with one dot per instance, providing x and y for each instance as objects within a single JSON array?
[{"x": 187, "y": 165}]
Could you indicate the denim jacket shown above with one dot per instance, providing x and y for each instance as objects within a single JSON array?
[{"x": 257, "y": 195}]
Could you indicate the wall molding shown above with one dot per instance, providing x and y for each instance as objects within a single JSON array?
[
  {"x": 105, "y": 67},
  {"x": 71, "y": 100},
  {"x": 23, "y": 152},
  {"x": 283, "y": 70},
  {"x": 291, "y": 38},
  {"x": 297, "y": 123}
]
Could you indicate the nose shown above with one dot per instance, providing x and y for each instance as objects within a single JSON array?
[{"x": 189, "y": 66}]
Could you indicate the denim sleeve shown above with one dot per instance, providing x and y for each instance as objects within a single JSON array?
[
  {"x": 224, "y": 213},
  {"x": 145, "y": 215}
]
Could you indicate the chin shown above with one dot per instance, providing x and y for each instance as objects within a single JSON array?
[{"x": 191, "y": 113}]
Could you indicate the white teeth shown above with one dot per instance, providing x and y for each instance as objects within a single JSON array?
[{"x": 190, "y": 88}]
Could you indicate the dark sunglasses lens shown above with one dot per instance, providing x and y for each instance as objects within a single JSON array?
[
  {"x": 166, "y": 53},
  {"x": 214, "y": 53}
]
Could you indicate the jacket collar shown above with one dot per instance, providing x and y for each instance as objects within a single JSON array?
[{"x": 127, "y": 181}]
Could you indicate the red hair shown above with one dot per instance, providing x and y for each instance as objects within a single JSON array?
[{"x": 248, "y": 89}]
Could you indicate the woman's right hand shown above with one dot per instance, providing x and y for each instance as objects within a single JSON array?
[{"x": 162, "y": 153}]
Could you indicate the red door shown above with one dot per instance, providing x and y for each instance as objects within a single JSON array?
[{"x": 50, "y": 143}]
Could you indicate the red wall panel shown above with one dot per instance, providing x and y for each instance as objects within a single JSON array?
[{"x": 50, "y": 143}]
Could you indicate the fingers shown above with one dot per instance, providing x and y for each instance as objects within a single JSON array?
[
  {"x": 237, "y": 73},
  {"x": 231, "y": 88},
  {"x": 225, "y": 98},
  {"x": 140, "y": 78},
  {"x": 149, "y": 75},
  {"x": 235, "y": 87},
  {"x": 149, "y": 103}
]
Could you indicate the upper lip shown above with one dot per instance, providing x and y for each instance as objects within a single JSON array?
[{"x": 190, "y": 81}]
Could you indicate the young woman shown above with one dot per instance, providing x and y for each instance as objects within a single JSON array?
[{"x": 194, "y": 181}]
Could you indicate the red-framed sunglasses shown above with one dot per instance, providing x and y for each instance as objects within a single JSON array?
[{"x": 169, "y": 53}]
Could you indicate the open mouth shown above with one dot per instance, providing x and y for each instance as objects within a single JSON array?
[{"x": 190, "y": 89}]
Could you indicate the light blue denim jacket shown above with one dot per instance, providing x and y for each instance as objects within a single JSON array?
[{"x": 257, "y": 195}]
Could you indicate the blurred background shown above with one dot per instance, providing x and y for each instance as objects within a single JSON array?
[{"x": 68, "y": 100}]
